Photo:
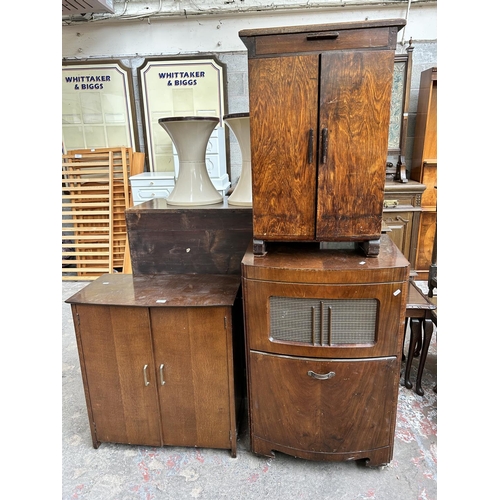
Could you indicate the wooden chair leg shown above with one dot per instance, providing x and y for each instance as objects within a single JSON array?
[
  {"x": 415, "y": 329},
  {"x": 403, "y": 357},
  {"x": 418, "y": 347},
  {"x": 428, "y": 329}
]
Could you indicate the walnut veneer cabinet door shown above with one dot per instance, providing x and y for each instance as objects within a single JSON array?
[
  {"x": 283, "y": 114},
  {"x": 117, "y": 365},
  {"x": 323, "y": 408},
  {"x": 319, "y": 100},
  {"x": 354, "y": 126},
  {"x": 193, "y": 353}
]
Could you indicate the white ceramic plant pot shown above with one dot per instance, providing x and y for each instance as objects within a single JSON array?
[
  {"x": 239, "y": 123},
  {"x": 191, "y": 134}
]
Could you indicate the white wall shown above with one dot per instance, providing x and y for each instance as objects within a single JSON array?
[{"x": 177, "y": 33}]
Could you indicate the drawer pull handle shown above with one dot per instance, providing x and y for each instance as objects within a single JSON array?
[
  {"x": 324, "y": 143},
  {"x": 310, "y": 146},
  {"x": 321, "y": 376},
  {"x": 162, "y": 379},
  {"x": 332, "y": 35},
  {"x": 145, "y": 373},
  {"x": 391, "y": 203}
]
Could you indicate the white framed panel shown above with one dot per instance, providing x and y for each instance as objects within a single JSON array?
[{"x": 183, "y": 87}]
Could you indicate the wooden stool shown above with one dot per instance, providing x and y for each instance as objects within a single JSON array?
[{"x": 419, "y": 310}]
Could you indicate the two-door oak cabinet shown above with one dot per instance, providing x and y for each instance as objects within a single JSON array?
[
  {"x": 156, "y": 355},
  {"x": 323, "y": 334},
  {"x": 319, "y": 100}
]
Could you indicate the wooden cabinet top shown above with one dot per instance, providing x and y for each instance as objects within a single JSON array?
[
  {"x": 307, "y": 263},
  {"x": 281, "y": 30},
  {"x": 179, "y": 290}
]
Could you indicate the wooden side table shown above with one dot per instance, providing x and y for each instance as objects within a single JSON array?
[{"x": 419, "y": 312}]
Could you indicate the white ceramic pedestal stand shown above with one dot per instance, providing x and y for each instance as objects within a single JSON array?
[
  {"x": 239, "y": 123},
  {"x": 190, "y": 134}
]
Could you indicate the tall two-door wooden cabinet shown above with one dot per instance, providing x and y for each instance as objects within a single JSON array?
[
  {"x": 319, "y": 99},
  {"x": 324, "y": 333},
  {"x": 424, "y": 167}
]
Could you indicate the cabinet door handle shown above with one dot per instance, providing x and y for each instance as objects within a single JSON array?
[
  {"x": 321, "y": 376},
  {"x": 162, "y": 379},
  {"x": 310, "y": 146},
  {"x": 332, "y": 35},
  {"x": 145, "y": 373},
  {"x": 324, "y": 145}
]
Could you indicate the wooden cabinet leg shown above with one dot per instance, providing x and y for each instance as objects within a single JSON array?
[
  {"x": 371, "y": 248},
  {"x": 428, "y": 329},
  {"x": 259, "y": 247}
]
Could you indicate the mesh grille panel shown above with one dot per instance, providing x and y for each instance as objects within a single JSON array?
[{"x": 323, "y": 322}]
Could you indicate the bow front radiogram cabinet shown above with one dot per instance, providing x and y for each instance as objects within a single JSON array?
[
  {"x": 156, "y": 354},
  {"x": 319, "y": 101},
  {"x": 324, "y": 333}
]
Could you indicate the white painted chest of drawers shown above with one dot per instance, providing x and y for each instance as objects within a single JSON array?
[{"x": 150, "y": 185}]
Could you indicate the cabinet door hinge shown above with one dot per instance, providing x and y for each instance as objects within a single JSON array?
[
  {"x": 78, "y": 318},
  {"x": 225, "y": 322}
]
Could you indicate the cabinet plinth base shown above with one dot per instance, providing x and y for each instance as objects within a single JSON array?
[
  {"x": 370, "y": 248},
  {"x": 374, "y": 458}
]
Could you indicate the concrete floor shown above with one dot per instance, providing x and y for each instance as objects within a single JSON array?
[{"x": 122, "y": 472}]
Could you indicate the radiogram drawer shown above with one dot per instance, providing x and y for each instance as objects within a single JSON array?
[
  {"x": 321, "y": 41},
  {"x": 346, "y": 321}
]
